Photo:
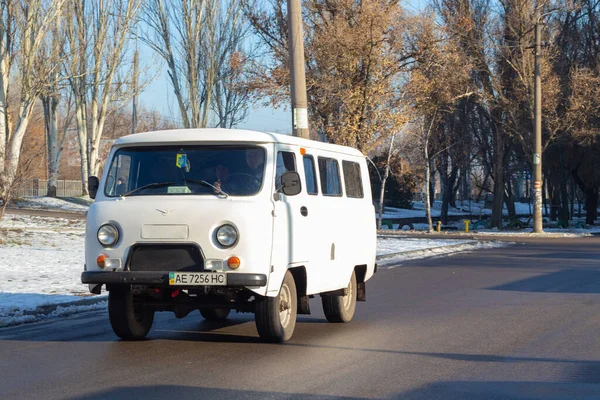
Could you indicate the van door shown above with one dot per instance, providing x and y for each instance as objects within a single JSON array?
[{"x": 290, "y": 216}]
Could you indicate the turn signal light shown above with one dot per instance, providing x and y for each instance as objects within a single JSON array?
[
  {"x": 302, "y": 151},
  {"x": 233, "y": 262},
  {"x": 100, "y": 260}
]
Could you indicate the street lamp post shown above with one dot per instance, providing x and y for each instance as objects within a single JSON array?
[{"x": 297, "y": 72}]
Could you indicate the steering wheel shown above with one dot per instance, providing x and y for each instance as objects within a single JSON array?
[
  {"x": 242, "y": 183},
  {"x": 243, "y": 174}
]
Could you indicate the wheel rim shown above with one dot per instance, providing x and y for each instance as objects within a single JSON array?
[
  {"x": 285, "y": 309},
  {"x": 347, "y": 299}
]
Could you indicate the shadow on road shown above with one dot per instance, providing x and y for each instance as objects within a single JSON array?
[
  {"x": 188, "y": 392},
  {"x": 497, "y": 390},
  {"x": 563, "y": 281}
]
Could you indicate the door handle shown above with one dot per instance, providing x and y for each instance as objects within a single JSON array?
[{"x": 304, "y": 211}]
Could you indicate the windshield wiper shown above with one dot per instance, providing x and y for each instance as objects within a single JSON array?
[
  {"x": 154, "y": 184},
  {"x": 204, "y": 183}
]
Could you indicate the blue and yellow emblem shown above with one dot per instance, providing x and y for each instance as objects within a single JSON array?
[
  {"x": 181, "y": 160},
  {"x": 171, "y": 278}
]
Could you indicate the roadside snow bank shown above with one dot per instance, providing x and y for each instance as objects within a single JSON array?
[{"x": 78, "y": 204}]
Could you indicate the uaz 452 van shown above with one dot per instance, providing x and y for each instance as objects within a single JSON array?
[{"x": 218, "y": 220}]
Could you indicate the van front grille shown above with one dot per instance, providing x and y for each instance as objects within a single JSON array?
[{"x": 165, "y": 257}]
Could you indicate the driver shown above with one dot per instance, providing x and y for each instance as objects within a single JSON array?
[{"x": 247, "y": 181}]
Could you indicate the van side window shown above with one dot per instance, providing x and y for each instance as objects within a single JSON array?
[
  {"x": 118, "y": 176},
  {"x": 329, "y": 172},
  {"x": 352, "y": 179},
  {"x": 286, "y": 162},
  {"x": 310, "y": 176}
]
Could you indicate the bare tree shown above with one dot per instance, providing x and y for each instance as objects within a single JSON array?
[
  {"x": 439, "y": 79},
  {"x": 23, "y": 26},
  {"x": 49, "y": 60},
  {"x": 97, "y": 60},
  {"x": 201, "y": 42}
]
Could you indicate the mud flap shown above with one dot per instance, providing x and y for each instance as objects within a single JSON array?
[
  {"x": 361, "y": 292},
  {"x": 303, "y": 305}
]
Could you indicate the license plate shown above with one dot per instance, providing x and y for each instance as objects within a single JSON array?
[{"x": 197, "y": 278}]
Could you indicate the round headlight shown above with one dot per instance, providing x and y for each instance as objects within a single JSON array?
[
  {"x": 108, "y": 235},
  {"x": 227, "y": 235}
]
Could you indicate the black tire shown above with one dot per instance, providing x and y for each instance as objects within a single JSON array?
[
  {"x": 129, "y": 320},
  {"x": 214, "y": 314},
  {"x": 274, "y": 324},
  {"x": 340, "y": 308}
]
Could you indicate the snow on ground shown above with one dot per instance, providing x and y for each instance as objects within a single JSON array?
[
  {"x": 41, "y": 260},
  {"x": 390, "y": 245},
  {"x": 77, "y": 204},
  {"x": 440, "y": 249}
]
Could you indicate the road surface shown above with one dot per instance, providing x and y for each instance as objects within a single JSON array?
[{"x": 514, "y": 322}]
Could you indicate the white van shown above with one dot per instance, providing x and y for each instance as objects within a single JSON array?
[{"x": 217, "y": 220}]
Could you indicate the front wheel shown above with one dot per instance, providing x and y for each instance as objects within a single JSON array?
[
  {"x": 130, "y": 320},
  {"x": 276, "y": 316},
  {"x": 341, "y": 308},
  {"x": 214, "y": 314}
]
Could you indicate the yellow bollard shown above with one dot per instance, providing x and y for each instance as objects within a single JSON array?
[
  {"x": 467, "y": 222},
  {"x": 439, "y": 226}
]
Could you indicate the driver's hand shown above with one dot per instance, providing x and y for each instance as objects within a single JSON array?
[{"x": 217, "y": 185}]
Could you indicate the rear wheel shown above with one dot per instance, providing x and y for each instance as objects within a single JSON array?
[
  {"x": 340, "y": 308},
  {"x": 276, "y": 316},
  {"x": 130, "y": 319},
  {"x": 214, "y": 314}
]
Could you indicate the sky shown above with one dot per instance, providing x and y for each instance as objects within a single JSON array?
[{"x": 159, "y": 96}]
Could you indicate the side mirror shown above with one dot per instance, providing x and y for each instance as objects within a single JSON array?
[
  {"x": 93, "y": 184},
  {"x": 290, "y": 183}
]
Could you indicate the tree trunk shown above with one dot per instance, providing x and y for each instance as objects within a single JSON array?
[
  {"x": 591, "y": 205},
  {"x": 498, "y": 202},
  {"x": 383, "y": 181},
  {"x": 50, "y": 105},
  {"x": 563, "y": 213},
  {"x": 381, "y": 195},
  {"x": 82, "y": 136},
  {"x": 14, "y": 146},
  {"x": 509, "y": 200},
  {"x": 427, "y": 188},
  {"x": 431, "y": 181},
  {"x": 4, "y": 129},
  {"x": 448, "y": 191}
]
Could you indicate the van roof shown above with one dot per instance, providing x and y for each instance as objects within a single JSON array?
[{"x": 221, "y": 136}]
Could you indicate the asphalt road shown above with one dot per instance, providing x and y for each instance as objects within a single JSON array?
[{"x": 514, "y": 322}]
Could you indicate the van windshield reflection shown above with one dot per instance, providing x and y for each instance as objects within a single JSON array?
[{"x": 195, "y": 170}]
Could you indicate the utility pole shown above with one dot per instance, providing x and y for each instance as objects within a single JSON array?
[
  {"x": 297, "y": 72},
  {"x": 134, "y": 106},
  {"x": 537, "y": 141}
]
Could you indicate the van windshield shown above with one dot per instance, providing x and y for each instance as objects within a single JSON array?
[{"x": 182, "y": 170}]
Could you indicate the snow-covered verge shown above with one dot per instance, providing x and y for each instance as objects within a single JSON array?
[
  {"x": 75, "y": 204},
  {"x": 41, "y": 260},
  {"x": 442, "y": 250}
]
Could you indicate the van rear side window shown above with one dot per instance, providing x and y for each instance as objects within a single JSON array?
[
  {"x": 309, "y": 175},
  {"x": 352, "y": 179},
  {"x": 329, "y": 172}
]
